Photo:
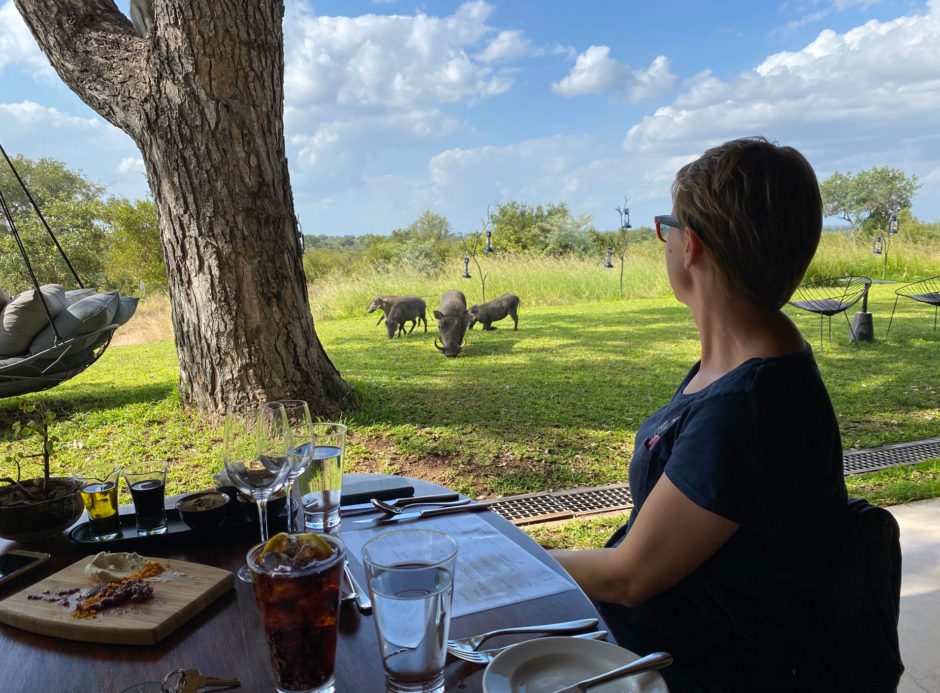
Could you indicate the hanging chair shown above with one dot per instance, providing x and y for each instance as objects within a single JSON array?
[{"x": 79, "y": 324}]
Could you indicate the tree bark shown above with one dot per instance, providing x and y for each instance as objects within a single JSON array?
[{"x": 202, "y": 97}]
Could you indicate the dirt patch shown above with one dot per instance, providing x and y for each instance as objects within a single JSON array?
[{"x": 382, "y": 457}]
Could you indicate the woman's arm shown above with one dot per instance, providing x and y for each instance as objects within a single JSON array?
[{"x": 670, "y": 537}]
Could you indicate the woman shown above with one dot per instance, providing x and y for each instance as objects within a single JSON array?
[{"x": 737, "y": 482}]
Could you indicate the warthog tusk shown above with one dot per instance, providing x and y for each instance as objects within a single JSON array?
[
  {"x": 439, "y": 348},
  {"x": 462, "y": 345}
]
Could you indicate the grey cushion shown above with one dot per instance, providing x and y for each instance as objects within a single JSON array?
[
  {"x": 11, "y": 360},
  {"x": 126, "y": 309},
  {"x": 84, "y": 316},
  {"x": 76, "y": 295},
  {"x": 24, "y": 316}
]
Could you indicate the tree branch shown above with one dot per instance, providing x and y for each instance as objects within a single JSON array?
[{"x": 95, "y": 50}]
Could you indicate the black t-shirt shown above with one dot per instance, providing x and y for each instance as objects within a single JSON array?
[{"x": 761, "y": 447}]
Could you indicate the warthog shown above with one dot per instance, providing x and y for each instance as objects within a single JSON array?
[
  {"x": 384, "y": 303},
  {"x": 401, "y": 311},
  {"x": 452, "y": 320},
  {"x": 497, "y": 309}
]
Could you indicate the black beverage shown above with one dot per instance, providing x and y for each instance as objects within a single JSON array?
[{"x": 148, "y": 504}]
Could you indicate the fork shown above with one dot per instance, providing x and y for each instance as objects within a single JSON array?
[
  {"x": 398, "y": 509},
  {"x": 472, "y": 642},
  {"x": 487, "y": 656}
]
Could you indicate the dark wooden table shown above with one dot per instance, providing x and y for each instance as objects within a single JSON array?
[{"x": 227, "y": 639}]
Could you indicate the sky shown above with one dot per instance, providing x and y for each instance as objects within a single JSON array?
[{"x": 394, "y": 108}]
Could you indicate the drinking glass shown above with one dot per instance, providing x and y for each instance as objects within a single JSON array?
[
  {"x": 322, "y": 481},
  {"x": 301, "y": 428},
  {"x": 147, "y": 484},
  {"x": 99, "y": 494},
  {"x": 299, "y": 601},
  {"x": 411, "y": 581},
  {"x": 255, "y": 459}
]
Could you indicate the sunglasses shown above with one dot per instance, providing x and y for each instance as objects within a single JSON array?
[{"x": 664, "y": 222}]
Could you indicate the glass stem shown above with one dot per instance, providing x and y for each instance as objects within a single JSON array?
[
  {"x": 263, "y": 517},
  {"x": 290, "y": 505}
]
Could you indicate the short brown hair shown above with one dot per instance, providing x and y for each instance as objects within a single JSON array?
[{"x": 757, "y": 210}]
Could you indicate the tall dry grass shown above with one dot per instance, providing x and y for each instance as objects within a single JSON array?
[
  {"x": 909, "y": 258},
  {"x": 537, "y": 280},
  {"x": 152, "y": 322},
  {"x": 540, "y": 280}
]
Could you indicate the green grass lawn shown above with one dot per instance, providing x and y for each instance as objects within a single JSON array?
[{"x": 553, "y": 405}]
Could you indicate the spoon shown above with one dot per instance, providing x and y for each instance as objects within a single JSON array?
[{"x": 394, "y": 510}]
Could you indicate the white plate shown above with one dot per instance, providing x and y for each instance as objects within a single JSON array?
[{"x": 546, "y": 664}]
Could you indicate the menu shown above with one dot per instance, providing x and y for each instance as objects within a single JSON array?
[{"x": 492, "y": 570}]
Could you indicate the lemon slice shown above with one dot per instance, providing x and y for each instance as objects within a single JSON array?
[
  {"x": 317, "y": 543},
  {"x": 276, "y": 543}
]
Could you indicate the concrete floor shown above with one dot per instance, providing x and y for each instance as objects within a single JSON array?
[{"x": 919, "y": 624}]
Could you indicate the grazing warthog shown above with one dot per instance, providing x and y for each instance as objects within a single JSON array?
[
  {"x": 497, "y": 309},
  {"x": 401, "y": 311},
  {"x": 452, "y": 320},
  {"x": 384, "y": 303}
]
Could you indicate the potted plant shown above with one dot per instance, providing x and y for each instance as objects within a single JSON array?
[{"x": 42, "y": 507}]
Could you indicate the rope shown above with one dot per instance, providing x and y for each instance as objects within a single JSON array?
[
  {"x": 44, "y": 223},
  {"x": 29, "y": 267}
]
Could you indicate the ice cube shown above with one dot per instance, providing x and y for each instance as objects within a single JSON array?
[{"x": 271, "y": 560}]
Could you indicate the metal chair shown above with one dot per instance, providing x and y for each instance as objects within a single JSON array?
[
  {"x": 923, "y": 290},
  {"x": 826, "y": 297}
]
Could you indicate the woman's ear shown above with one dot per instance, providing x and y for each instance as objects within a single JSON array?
[{"x": 693, "y": 250}]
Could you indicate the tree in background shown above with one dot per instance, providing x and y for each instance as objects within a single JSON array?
[
  {"x": 74, "y": 208},
  {"x": 519, "y": 226},
  {"x": 426, "y": 244},
  {"x": 135, "y": 263},
  {"x": 567, "y": 235},
  {"x": 202, "y": 96},
  {"x": 869, "y": 198}
]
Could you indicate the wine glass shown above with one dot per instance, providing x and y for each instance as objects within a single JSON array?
[
  {"x": 255, "y": 457},
  {"x": 301, "y": 452}
]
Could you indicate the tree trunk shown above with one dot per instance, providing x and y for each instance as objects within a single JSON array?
[{"x": 202, "y": 96}]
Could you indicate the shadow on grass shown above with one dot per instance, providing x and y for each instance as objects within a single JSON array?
[{"x": 88, "y": 397}]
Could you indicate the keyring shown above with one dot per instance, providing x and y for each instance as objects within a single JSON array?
[{"x": 164, "y": 685}]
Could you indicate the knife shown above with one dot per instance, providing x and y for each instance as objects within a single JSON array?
[
  {"x": 657, "y": 660},
  {"x": 362, "y": 508},
  {"x": 363, "y": 603},
  {"x": 429, "y": 512}
]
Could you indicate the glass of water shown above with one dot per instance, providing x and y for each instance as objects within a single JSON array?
[
  {"x": 322, "y": 481},
  {"x": 411, "y": 581}
]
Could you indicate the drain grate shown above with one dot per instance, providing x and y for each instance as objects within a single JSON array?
[
  {"x": 533, "y": 508},
  {"x": 859, "y": 461}
]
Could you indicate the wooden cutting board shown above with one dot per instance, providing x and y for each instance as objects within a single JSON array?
[{"x": 174, "y": 603}]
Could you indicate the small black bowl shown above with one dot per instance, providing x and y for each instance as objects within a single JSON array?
[
  {"x": 276, "y": 505},
  {"x": 203, "y": 511}
]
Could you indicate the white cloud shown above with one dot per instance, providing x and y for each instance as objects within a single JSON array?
[
  {"x": 29, "y": 114},
  {"x": 507, "y": 46},
  {"x": 131, "y": 164},
  {"x": 390, "y": 62},
  {"x": 818, "y": 13},
  {"x": 360, "y": 88},
  {"x": 88, "y": 144},
  {"x": 17, "y": 45},
  {"x": 878, "y": 81},
  {"x": 595, "y": 72}
]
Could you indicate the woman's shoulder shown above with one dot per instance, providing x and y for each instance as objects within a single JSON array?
[{"x": 787, "y": 371}]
